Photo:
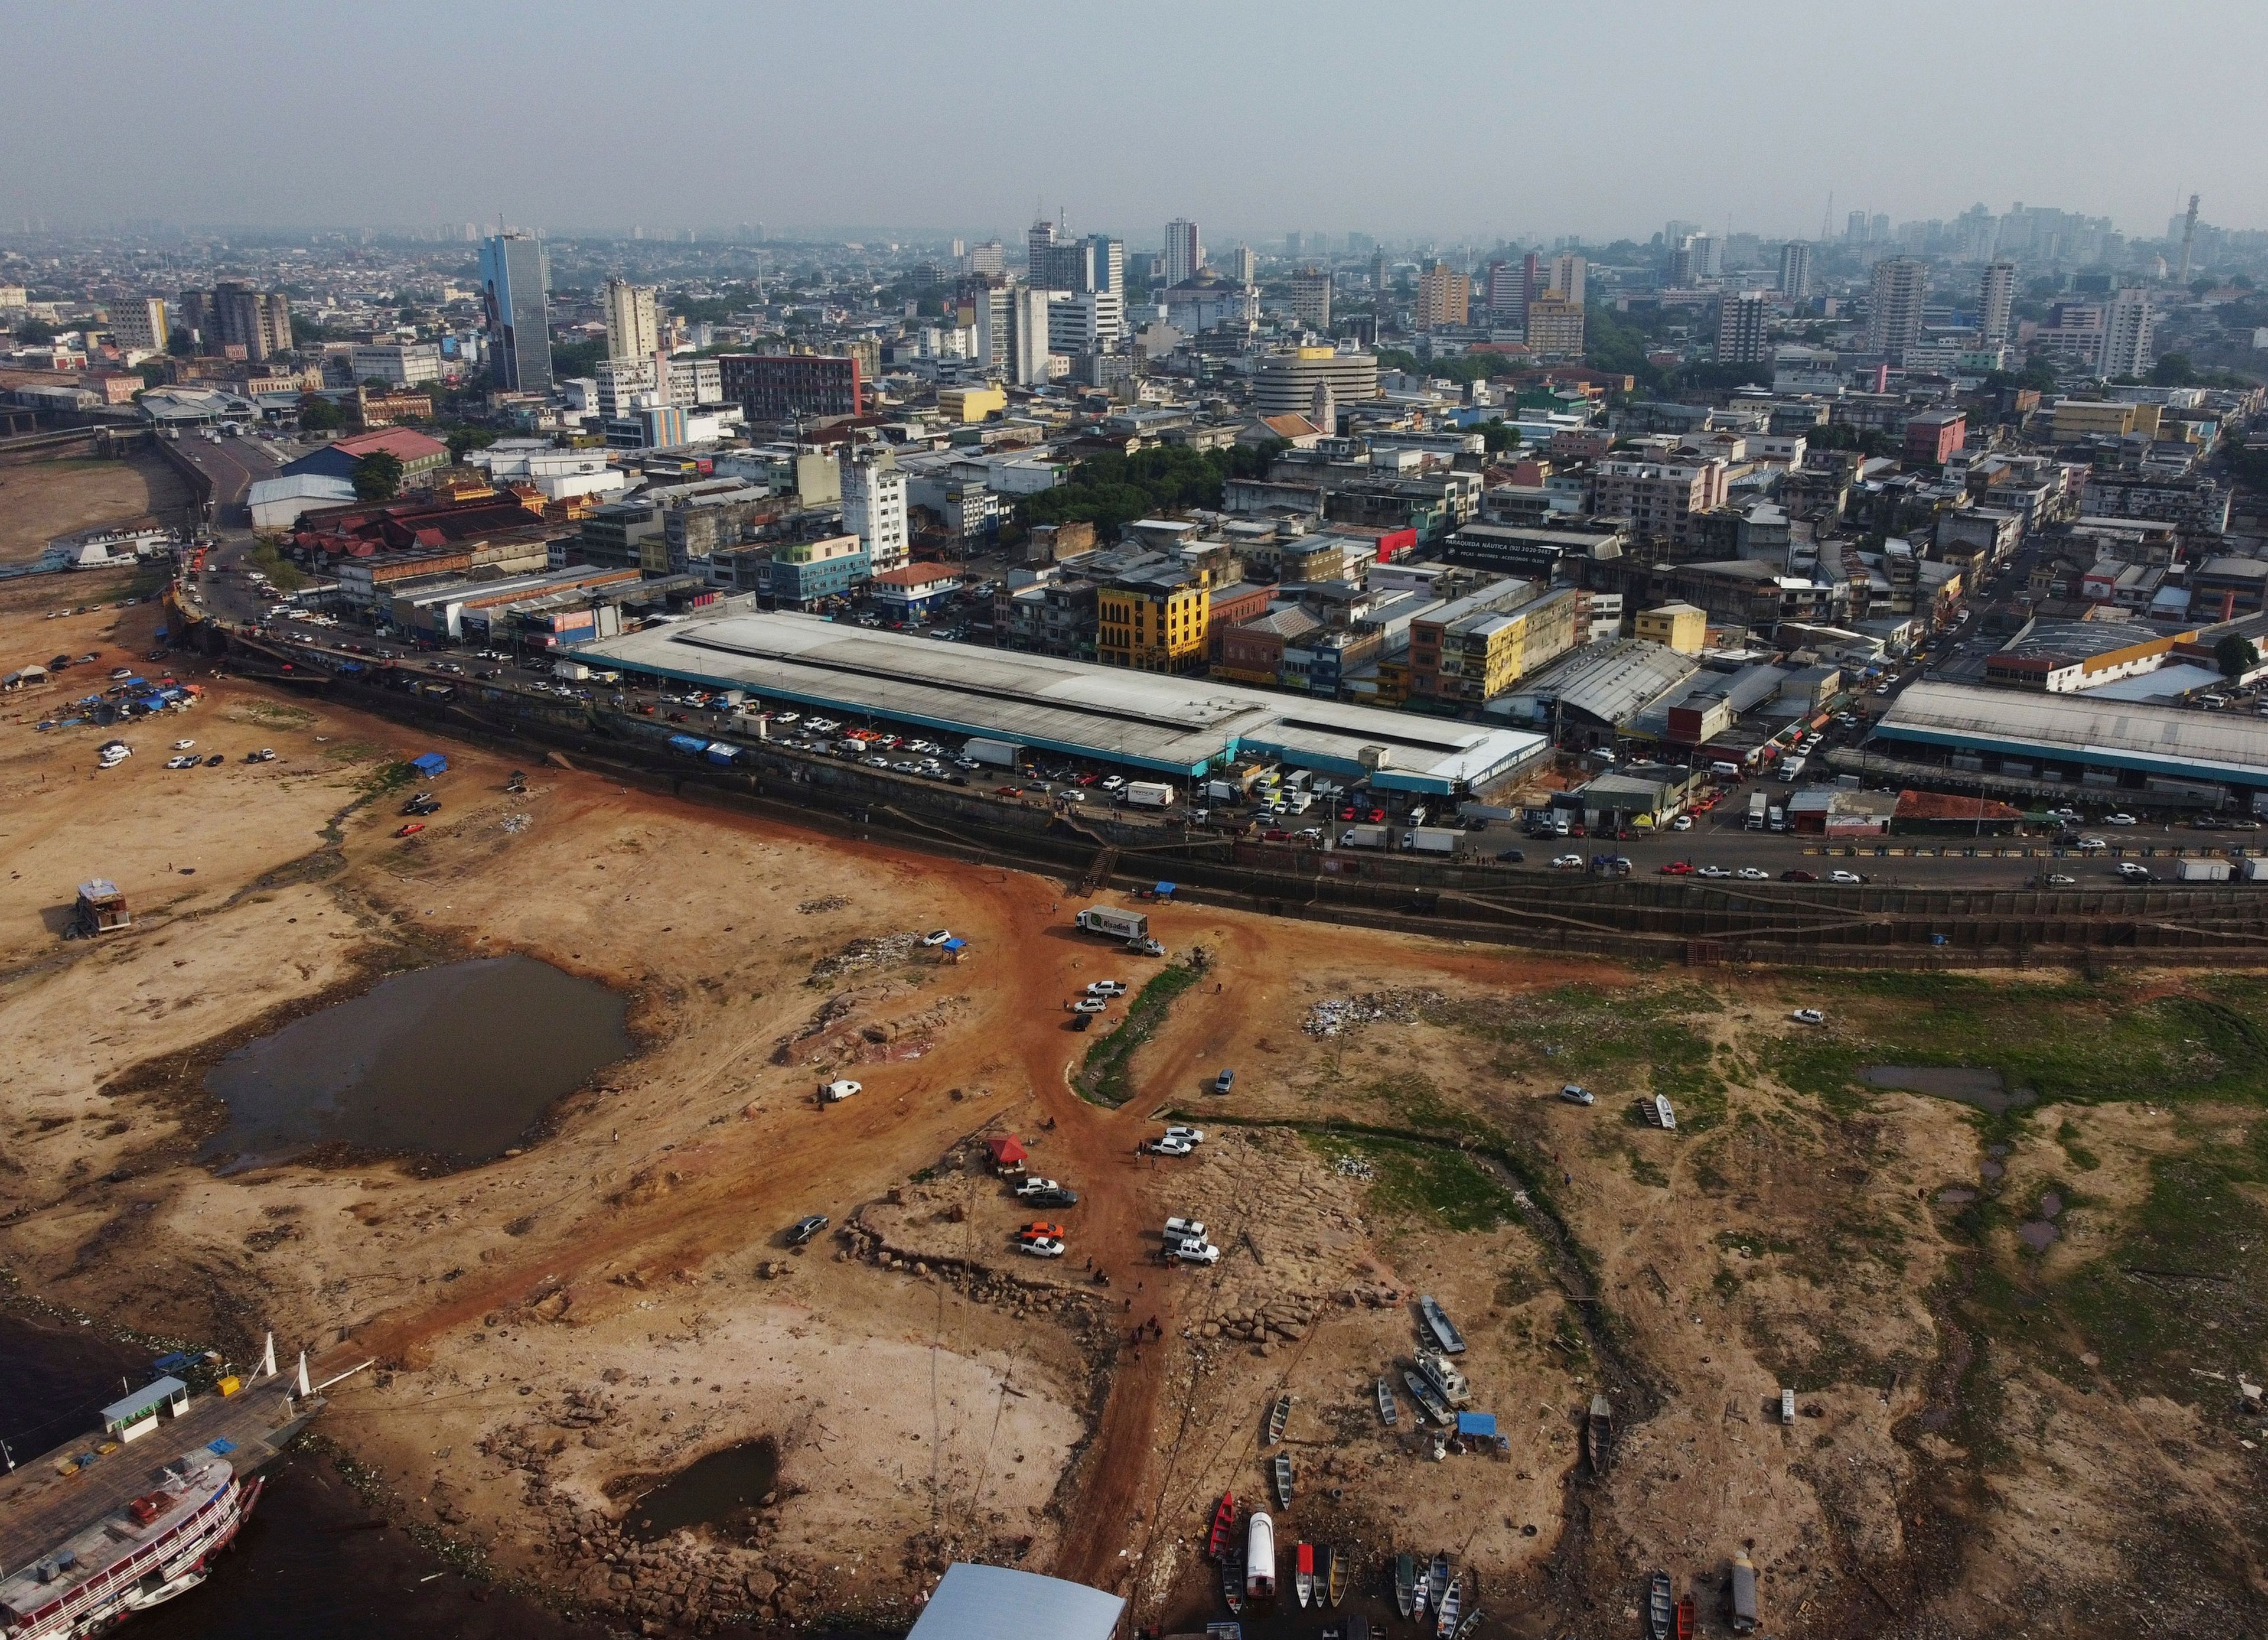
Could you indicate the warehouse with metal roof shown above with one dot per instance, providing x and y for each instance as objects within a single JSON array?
[
  {"x": 1147, "y": 720},
  {"x": 2080, "y": 733},
  {"x": 1000, "y": 1603}
]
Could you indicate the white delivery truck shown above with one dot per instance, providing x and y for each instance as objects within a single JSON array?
[
  {"x": 1791, "y": 769},
  {"x": 2255, "y": 869},
  {"x": 1759, "y": 807},
  {"x": 573, "y": 671},
  {"x": 1222, "y": 791},
  {"x": 2203, "y": 870},
  {"x": 1149, "y": 794},
  {"x": 1364, "y": 836},
  {"x": 1431, "y": 839},
  {"x": 1001, "y": 754},
  {"x": 1119, "y": 925}
]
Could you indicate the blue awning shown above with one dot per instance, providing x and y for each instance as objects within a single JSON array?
[
  {"x": 956, "y": 945},
  {"x": 1480, "y": 1423},
  {"x": 1164, "y": 891}
]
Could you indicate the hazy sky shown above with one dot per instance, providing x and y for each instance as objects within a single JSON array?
[{"x": 1440, "y": 118}]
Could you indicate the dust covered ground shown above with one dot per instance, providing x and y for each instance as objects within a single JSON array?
[
  {"x": 2016, "y": 1336},
  {"x": 40, "y": 501}
]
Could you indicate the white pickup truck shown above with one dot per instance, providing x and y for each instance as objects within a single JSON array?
[{"x": 1192, "y": 1252}]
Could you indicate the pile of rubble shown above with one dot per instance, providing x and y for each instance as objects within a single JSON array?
[
  {"x": 1355, "y": 1167},
  {"x": 832, "y": 902},
  {"x": 863, "y": 953},
  {"x": 1337, "y": 1013}
]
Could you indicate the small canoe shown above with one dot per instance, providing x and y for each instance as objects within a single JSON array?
[
  {"x": 1303, "y": 1575},
  {"x": 1232, "y": 1579},
  {"x": 1224, "y": 1523},
  {"x": 1386, "y": 1412},
  {"x": 1685, "y": 1618},
  {"x": 1451, "y": 1602},
  {"x": 1405, "y": 1582},
  {"x": 1599, "y": 1434},
  {"x": 1471, "y": 1622},
  {"x": 1335, "y": 1574},
  {"x": 1417, "y": 1600},
  {"x": 1437, "y": 1580},
  {"x": 1429, "y": 1401},
  {"x": 1660, "y": 1609},
  {"x": 1278, "y": 1416},
  {"x": 1444, "y": 1330},
  {"x": 1282, "y": 1468}
]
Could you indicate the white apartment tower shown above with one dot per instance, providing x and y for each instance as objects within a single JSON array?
[
  {"x": 1996, "y": 299},
  {"x": 874, "y": 509},
  {"x": 1901, "y": 287},
  {"x": 1185, "y": 251},
  {"x": 2126, "y": 326},
  {"x": 139, "y": 324},
  {"x": 1027, "y": 336},
  {"x": 633, "y": 321},
  {"x": 1740, "y": 327},
  {"x": 1567, "y": 275},
  {"x": 1794, "y": 271}
]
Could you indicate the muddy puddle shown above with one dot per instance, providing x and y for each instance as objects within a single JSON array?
[
  {"x": 457, "y": 1061},
  {"x": 1986, "y": 1089},
  {"x": 715, "y": 1491}
]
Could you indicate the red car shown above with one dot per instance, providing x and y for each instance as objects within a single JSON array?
[
  {"x": 1678, "y": 869},
  {"x": 1346, "y": 812},
  {"x": 1375, "y": 817},
  {"x": 412, "y": 829},
  {"x": 1007, "y": 791},
  {"x": 1276, "y": 837}
]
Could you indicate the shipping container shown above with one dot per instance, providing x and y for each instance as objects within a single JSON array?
[
  {"x": 1001, "y": 754},
  {"x": 1120, "y": 925},
  {"x": 1150, "y": 795},
  {"x": 2203, "y": 870}
]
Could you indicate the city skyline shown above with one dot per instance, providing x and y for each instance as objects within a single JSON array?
[{"x": 1852, "y": 115}]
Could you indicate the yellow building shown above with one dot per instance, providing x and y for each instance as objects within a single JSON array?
[
  {"x": 1444, "y": 296},
  {"x": 2077, "y": 419},
  {"x": 970, "y": 404},
  {"x": 1155, "y": 625},
  {"x": 1680, "y": 627}
]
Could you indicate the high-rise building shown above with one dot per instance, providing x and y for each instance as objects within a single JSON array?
[
  {"x": 1444, "y": 296},
  {"x": 139, "y": 324},
  {"x": 1065, "y": 265},
  {"x": 1244, "y": 266},
  {"x": 1878, "y": 228},
  {"x": 779, "y": 387},
  {"x": 990, "y": 314},
  {"x": 1500, "y": 287},
  {"x": 1996, "y": 299},
  {"x": 258, "y": 322},
  {"x": 633, "y": 321},
  {"x": 1083, "y": 322},
  {"x": 1740, "y": 327},
  {"x": 1110, "y": 266},
  {"x": 1028, "y": 342},
  {"x": 1039, "y": 239},
  {"x": 989, "y": 259},
  {"x": 515, "y": 291},
  {"x": 1555, "y": 327},
  {"x": 1311, "y": 297},
  {"x": 1185, "y": 251},
  {"x": 1378, "y": 271},
  {"x": 1567, "y": 271},
  {"x": 874, "y": 508},
  {"x": 1531, "y": 282},
  {"x": 1708, "y": 256},
  {"x": 1900, "y": 288},
  {"x": 1854, "y": 228},
  {"x": 1795, "y": 272},
  {"x": 2126, "y": 326}
]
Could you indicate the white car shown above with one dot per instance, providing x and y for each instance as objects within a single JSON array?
[
  {"x": 1568, "y": 862},
  {"x": 1753, "y": 874},
  {"x": 1683, "y": 823},
  {"x": 1043, "y": 1247},
  {"x": 1170, "y": 1147},
  {"x": 2121, "y": 819},
  {"x": 1072, "y": 796},
  {"x": 1196, "y": 1251},
  {"x": 1844, "y": 876},
  {"x": 1112, "y": 782},
  {"x": 1187, "y": 1135},
  {"x": 183, "y": 762},
  {"x": 2057, "y": 879},
  {"x": 1035, "y": 1187},
  {"x": 1574, "y": 1093},
  {"x": 936, "y": 936},
  {"x": 833, "y": 1092},
  {"x": 1185, "y": 1229},
  {"x": 1087, "y": 1005},
  {"x": 183, "y": 745},
  {"x": 1106, "y": 987},
  {"x": 1809, "y": 1016},
  {"x": 1710, "y": 871}
]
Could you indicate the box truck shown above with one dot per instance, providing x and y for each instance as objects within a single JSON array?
[
  {"x": 1119, "y": 925},
  {"x": 1363, "y": 837},
  {"x": 1431, "y": 839},
  {"x": 1149, "y": 794},
  {"x": 573, "y": 671},
  {"x": 1759, "y": 807},
  {"x": 2203, "y": 870},
  {"x": 1001, "y": 754},
  {"x": 2256, "y": 867}
]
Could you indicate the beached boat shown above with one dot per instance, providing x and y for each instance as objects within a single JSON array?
[
  {"x": 1283, "y": 1475},
  {"x": 1428, "y": 1399},
  {"x": 1259, "y": 1556},
  {"x": 1599, "y": 1435},
  {"x": 1437, "y": 1579},
  {"x": 1303, "y": 1573},
  {"x": 1386, "y": 1414},
  {"x": 1685, "y": 1618},
  {"x": 1468, "y": 1623},
  {"x": 1437, "y": 1370},
  {"x": 1278, "y": 1416},
  {"x": 1232, "y": 1578},
  {"x": 1451, "y": 1602},
  {"x": 1405, "y": 1582},
  {"x": 1335, "y": 1574},
  {"x": 1660, "y": 1608},
  {"x": 1224, "y": 1523},
  {"x": 1437, "y": 1323}
]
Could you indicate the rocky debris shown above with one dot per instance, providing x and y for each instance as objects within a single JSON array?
[
  {"x": 831, "y": 902},
  {"x": 1335, "y": 1015},
  {"x": 1284, "y": 1320},
  {"x": 1352, "y": 1166},
  {"x": 863, "y": 953}
]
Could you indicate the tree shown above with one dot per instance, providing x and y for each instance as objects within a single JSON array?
[
  {"x": 464, "y": 439},
  {"x": 569, "y": 359},
  {"x": 2173, "y": 370},
  {"x": 35, "y": 332},
  {"x": 2235, "y": 656},
  {"x": 318, "y": 414},
  {"x": 378, "y": 477},
  {"x": 378, "y": 384}
]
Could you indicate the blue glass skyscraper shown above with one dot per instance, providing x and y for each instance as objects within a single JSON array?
[{"x": 515, "y": 286}]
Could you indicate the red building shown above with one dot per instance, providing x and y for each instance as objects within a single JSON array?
[
  {"x": 777, "y": 386},
  {"x": 1933, "y": 436}
]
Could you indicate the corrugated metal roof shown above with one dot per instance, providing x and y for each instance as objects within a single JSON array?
[
  {"x": 2165, "y": 740},
  {"x": 1000, "y": 1603}
]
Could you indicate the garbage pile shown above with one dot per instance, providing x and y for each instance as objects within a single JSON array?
[
  {"x": 1355, "y": 1167},
  {"x": 863, "y": 953},
  {"x": 1333, "y": 1015}
]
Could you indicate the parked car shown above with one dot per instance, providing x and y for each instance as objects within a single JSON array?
[
  {"x": 2057, "y": 879},
  {"x": 1753, "y": 874},
  {"x": 1043, "y": 1249},
  {"x": 1809, "y": 1016},
  {"x": 1847, "y": 877},
  {"x": 835, "y": 1092},
  {"x": 1798, "y": 875},
  {"x": 936, "y": 936},
  {"x": 1187, "y": 1135},
  {"x": 1041, "y": 1229},
  {"x": 1678, "y": 869},
  {"x": 1567, "y": 862},
  {"x": 1683, "y": 823},
  {"x": 2120, "y": 819},
  {"x": 1194, "y": 1251},
  {"x": 1575, "y": 1093},
  {"x": 214, "y": 761},
  {"x": 412, "y": 829},
  {"x": 806, "y": 1228},
  {"x": 1184, "y": 1230},
  {"x": 1224, "y": 1082},
  {"x": 1106, "y": 987},
  {"x": 1170, "y": 1147},
  {"x": 2133, "y": 871},
  {"x": 1086, "y": 1005},
  {"x": 1511, "y": 856},
  {"x": 1056, "y": 1197},
  {"x": 1710, "y": 871}
]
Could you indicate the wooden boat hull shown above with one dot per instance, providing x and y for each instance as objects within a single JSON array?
[
  {"x": 1437, "y": 1580},
  {"x": 1662, "y": 1610},
  {"x": 1283, "y": 1479},
  {"x": 1278, "y": 1416},
  {"x": 1405, "y": 1583},
  {"x": 1445, "y": 1621},
  {"x": 1335, "y": 1574},
  {"x": 1386, "y": 1412},
  {"x": 1232, "y": 1581},
  {"x": 1224, "y": 1523},
  {"x": 1303, "y": 1575}
]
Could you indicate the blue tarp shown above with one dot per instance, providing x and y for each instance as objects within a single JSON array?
[
  {"x": 1164, "y": 891},
  {"x": 1478, "y": 1424},
  {"x": 430, "y": 763},
  {"x": 691, "y": 745},
  {"x": 956, "y": 945}
]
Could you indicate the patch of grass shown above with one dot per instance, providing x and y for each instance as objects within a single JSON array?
[
  {"x": 1430, "y": 1181},
  {"x": 2081, "y": 1157},
  {"x": 1647, "y": 1171},
  {"x": 273, "y": 714},
  {"x": 1416, "y": 1101},
  {"x": 354, "y": 751},
  {"x": 1102, "y": 1076},
  {"x": 387, "y": 778}
]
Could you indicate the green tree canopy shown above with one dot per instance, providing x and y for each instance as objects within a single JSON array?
[
  {"x": 1110, "y": 491},
  {"x": 2236, "y": 655},
  {"x": 378, "y": 477},
  {"x": 318, "y": 414}
]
